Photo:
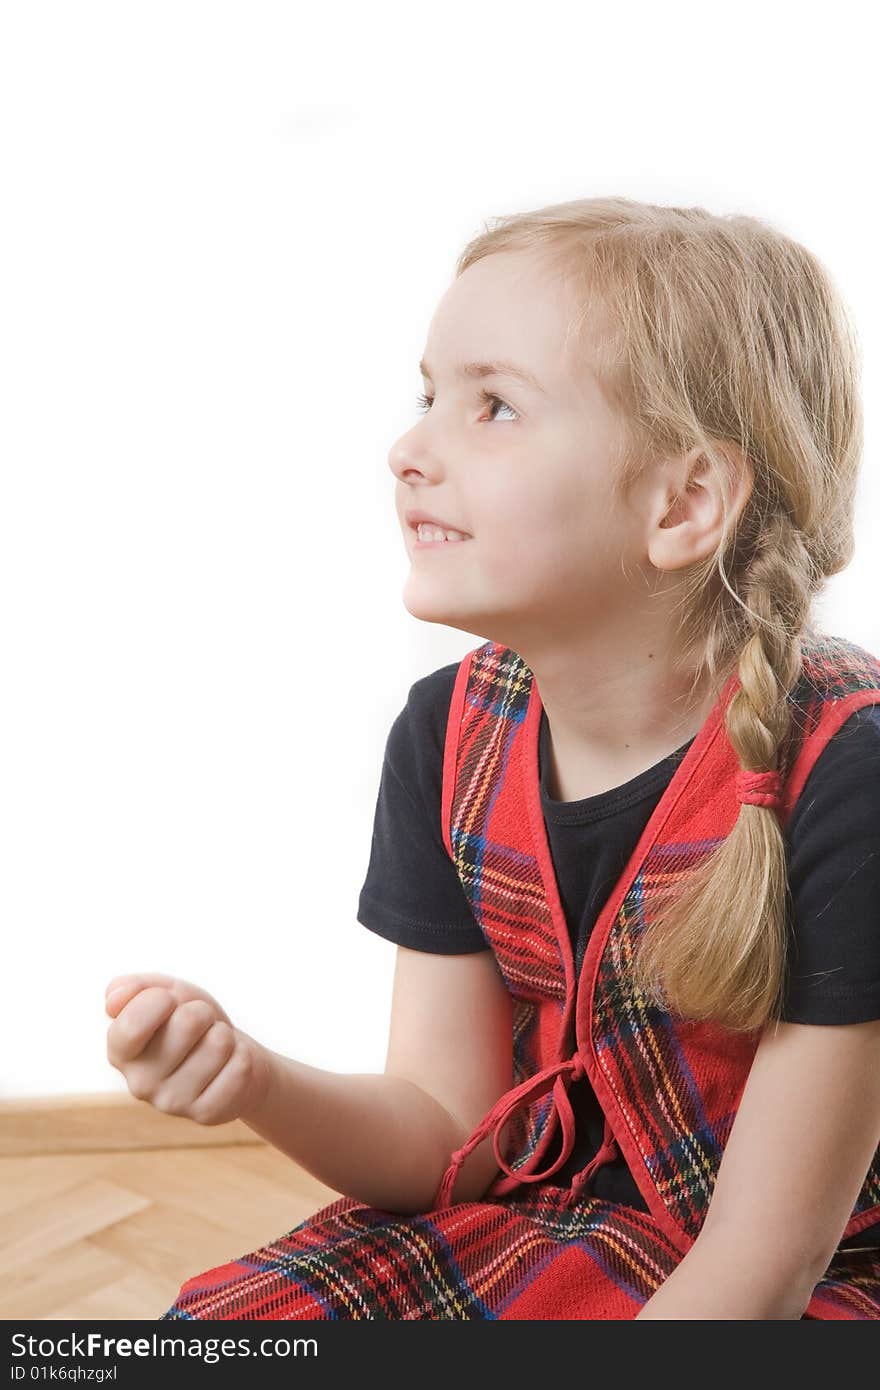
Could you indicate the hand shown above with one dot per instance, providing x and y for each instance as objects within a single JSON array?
[{"x": 179, "y": 1050}]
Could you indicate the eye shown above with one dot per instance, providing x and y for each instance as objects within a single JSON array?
[{"x": 425, "y": 402}]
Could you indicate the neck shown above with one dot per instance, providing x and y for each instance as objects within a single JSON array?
[{"x": 612, "y": 714}]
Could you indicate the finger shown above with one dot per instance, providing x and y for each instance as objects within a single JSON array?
[
  {"x": 182, "y": 1088},
  {"x": 122, "y": 988},
  {"x": 172, "y": 1043},
  {"x": 131, "y": 1031},
  {"x": 221, "y": 1100},
  {"x": 183, "y": 991}
]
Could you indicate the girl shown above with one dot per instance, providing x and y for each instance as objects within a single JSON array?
[{"x": 627, "y": 847}]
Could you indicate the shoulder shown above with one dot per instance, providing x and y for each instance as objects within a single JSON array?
[
  {"x": 844, "y": 777},
  {"x": 429, "y": 697},
  {"x": 833, "y": 865},
  {"x": 417, "y": 739},
  {"x": 426, "y": 710}
]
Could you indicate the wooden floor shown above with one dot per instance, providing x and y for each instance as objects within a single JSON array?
[{"x": 114, "y": 1234}]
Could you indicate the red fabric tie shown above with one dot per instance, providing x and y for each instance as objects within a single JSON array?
[
  {"x": 559, "y": 1076},
  {"x": 608, "y": 1151},
  {"x": 759, "y": 788}
]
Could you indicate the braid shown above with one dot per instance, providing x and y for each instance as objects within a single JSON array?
[
  {"x": 718, "y": 950},
  {"x": 777, "y": 593}
]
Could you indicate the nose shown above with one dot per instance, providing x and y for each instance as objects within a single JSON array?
[
  {"x": 412, "y": 456},
  {"x": 402, "y": 464}
]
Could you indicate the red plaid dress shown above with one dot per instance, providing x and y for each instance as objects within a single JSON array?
[{"x": 669, "y": 1088}]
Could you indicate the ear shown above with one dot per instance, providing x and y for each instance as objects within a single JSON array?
[{"x": 686, "y": 516}]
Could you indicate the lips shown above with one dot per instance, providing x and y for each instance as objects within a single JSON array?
[{"x": 413, "y": 518}]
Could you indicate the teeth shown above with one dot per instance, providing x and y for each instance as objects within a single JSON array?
[{"x": 427, "y": 532}]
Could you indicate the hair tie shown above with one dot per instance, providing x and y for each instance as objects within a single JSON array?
[{"x": 759, "y": 788}]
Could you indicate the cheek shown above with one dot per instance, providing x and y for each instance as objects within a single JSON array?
[
  {"x": 546, "y": 521},
  {"x": 558, "y": 554},
  {"x": 510, "y": 509},
  {"x": 527, "y": 564}
]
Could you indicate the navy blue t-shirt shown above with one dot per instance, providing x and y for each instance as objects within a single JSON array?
[{"x": 412, "y": 894}]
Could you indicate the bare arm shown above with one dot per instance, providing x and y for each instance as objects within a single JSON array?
[{"x": 386, "y": 1139}]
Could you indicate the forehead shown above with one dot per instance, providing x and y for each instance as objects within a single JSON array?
[{"x": 508, "y": 307}]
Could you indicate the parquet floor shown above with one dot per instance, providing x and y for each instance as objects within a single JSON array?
[{"x": 111, "y": 1235}]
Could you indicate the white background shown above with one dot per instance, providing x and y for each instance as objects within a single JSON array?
[{"x": 226, "y": 227}]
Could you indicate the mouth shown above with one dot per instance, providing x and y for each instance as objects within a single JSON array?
[
  {"x": 432, "y": 535},
  {"x": 436, "y": 538}
]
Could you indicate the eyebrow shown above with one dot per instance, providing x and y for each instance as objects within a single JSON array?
[{"x": 478, "y": 370}]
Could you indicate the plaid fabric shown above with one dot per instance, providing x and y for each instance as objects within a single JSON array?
[
  {"x": 524, "y": 1258},
  {"x": 669, "y": 1087}
]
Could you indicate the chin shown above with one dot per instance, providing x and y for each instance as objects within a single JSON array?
[{"x": 428, "y": 610}]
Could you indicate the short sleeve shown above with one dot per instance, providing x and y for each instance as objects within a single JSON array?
[
  {"x": 412, "y": 894},
  {"x": 833, "y": 849}
]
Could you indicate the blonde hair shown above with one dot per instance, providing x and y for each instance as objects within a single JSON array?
[{"x": 719, "y": 331}]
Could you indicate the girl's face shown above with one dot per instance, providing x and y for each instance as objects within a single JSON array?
[{"x": 527, "y": 473}]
